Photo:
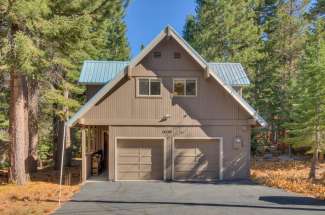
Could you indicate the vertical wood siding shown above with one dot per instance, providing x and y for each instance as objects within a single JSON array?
[{"x": 211, "y": 102}]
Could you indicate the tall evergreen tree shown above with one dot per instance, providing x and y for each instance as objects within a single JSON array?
[
  {"x": 285, "y": 37},
  {"x": 317, "y": 9},
  {"x": 307, "y": 126},
  {"x": 43, "y": 44},
  {"x": 77, "y": 32},
  {"x": 20, "y": 58},
  {"x": 226, "y": 31}
]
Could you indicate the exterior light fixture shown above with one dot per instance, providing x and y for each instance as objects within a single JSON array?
[{"x": 238, "y": 142}]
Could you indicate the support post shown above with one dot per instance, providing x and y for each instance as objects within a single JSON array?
[{"x": 83, "y": 156}]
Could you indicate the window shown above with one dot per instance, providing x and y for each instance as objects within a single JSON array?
[
  {"x": 185, "y": 87},
  {"x": 157, "y": 54},
  {"x": 149, "y": 87}
]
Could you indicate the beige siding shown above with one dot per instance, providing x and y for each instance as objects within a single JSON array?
[
  {"x": 212, "y": 113},
  {"x": 123, "y": 106}
]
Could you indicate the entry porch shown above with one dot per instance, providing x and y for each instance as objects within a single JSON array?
[{"x": 94, "y": 152}]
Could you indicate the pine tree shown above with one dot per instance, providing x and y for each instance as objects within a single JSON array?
[
  {"x": 20, "y": 58},
  {"x": 190, "y": 30},
  {"x": 78, "y": 32},
  {"x": 307, "y": 124},
  {"x": 285, "y": 37},
  {"x": 229, "y": 31},
  {"x": 226, "y": 31},
  {"x": 317, "y": 10}
]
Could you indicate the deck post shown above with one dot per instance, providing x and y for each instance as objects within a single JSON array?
[{"x": 83, "y": 156}]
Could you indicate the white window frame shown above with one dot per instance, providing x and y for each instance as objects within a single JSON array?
[
  {"x": 149, "y": 78},
  {"x": 185, "y": 79}
]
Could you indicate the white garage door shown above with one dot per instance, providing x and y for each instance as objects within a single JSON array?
[
  {"x": 196, "y": 159},
  {"x": 140, "y": 159}
]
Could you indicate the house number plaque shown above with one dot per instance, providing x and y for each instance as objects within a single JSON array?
[{"x": 167, "y": 131}]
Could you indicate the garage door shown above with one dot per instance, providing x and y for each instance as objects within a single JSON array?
[
  {"x": 140, "y": 159},
  {"x": 196, "y": 160}
]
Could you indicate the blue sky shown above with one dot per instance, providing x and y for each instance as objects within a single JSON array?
[{"x": 146, "y": 18}]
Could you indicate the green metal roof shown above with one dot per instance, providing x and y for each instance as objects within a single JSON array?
[{"x": 102, "y": 72}]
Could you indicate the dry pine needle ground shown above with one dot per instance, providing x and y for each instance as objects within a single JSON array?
[
  {"x": 37, "y": 197},
  {"x": 291, "y": 176}
]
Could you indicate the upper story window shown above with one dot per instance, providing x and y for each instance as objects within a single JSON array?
[
  {"x": 185, "y": 87},
  {"x": 149, "y": 87}
]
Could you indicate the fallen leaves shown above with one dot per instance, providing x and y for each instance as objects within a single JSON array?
[
  {"x": 37, "y": 197},
  {"x": 291, "y": 176}
]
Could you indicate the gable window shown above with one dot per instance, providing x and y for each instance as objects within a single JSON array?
[
  {"x": 149, "y": 87},
  {"x": 185, "y": 87}
]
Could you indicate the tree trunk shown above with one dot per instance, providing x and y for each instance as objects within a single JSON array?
[
  {"x": 18, "y": 129},
  {"x": 33, "y": 95},
  {"x": 55, "y": 134},
  {"x": 314, "y": 162},
  {"x": 312, "y": 173},
  {"x": 59, "y": 138}
]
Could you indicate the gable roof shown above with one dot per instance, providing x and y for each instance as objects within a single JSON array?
[
  {"x": 102, "y": 72},
  {"x": 170, "y": 32}
]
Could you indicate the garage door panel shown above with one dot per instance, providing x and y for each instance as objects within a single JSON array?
[
  {"x": 185, "y": 149},
  {"x": 195, "y": 167},
  {"x": 128, "y": 175},
  {"x": 150, "y": 176},
  {"x": 129, "y": 159},
  {"x": 196, "y": 159},
  {"x": 151, "y": 159},
  {"x": 149, "y": 167},
  {"x": 140, "y": 159},
  {"x": 129, "y": 148},
  {"x": 201, "y": 176},
  {"x": 185, "y": 159},
  {"x": 129, "y": 167}
]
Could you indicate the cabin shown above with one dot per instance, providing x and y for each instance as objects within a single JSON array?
[{"x": 167, "y": 114}]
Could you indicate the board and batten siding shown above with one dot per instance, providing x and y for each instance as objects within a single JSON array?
[
  {"x": 123, "y": 106},
  {"x": 212, "y": 113}
]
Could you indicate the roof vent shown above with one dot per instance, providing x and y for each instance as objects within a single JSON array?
[
  {"x": 157, "y": 54},
  {"x": 177, "y": 55}
]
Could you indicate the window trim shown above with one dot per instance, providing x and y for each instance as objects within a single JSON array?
[
  {"x": 185, "y": 79},
  {"x": 146, "y": 96}
]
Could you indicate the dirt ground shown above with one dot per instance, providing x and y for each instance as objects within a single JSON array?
[
  {"x": 290, "y": 175},
  {"x": 40, "y": 196}
]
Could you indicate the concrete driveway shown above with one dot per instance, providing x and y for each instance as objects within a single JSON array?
[{"x": 186, "y": 199}]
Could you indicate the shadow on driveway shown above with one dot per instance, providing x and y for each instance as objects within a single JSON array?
[
  {"x": 203, "y": 204},
  {"x": 292, "y": 200}
]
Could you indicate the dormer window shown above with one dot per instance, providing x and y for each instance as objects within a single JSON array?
[
  {"x": 149, "y": 87},
  {"x": 156, "y": 54}
]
